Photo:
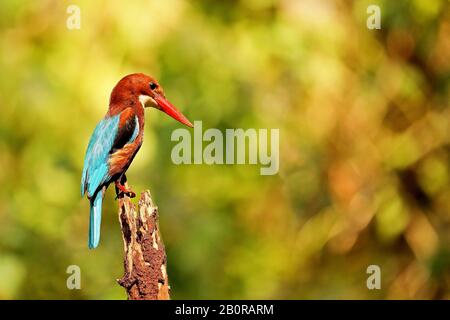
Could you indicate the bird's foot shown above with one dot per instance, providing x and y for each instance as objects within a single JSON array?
[{"x": 122, "y": 190}]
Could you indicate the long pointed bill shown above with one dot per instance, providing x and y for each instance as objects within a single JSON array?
[{"x": 168, "y": 108}]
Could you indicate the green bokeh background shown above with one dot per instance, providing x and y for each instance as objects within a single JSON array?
[{"x": 364, "y": 124}]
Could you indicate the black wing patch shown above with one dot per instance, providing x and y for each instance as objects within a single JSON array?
[{"x": 126, "y": 133}]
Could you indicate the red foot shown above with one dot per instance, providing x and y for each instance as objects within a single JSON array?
[{"x": 125, "y": 191}]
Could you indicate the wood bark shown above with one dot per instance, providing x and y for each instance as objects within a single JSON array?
[{"x": 145, "y": 259}]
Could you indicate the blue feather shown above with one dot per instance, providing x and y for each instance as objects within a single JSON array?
[
  {"x": 95, "y": 220},
  {"x": 96, "y": 170}
]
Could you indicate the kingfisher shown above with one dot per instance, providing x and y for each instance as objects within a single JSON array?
[{"x": 116, "y": 140}]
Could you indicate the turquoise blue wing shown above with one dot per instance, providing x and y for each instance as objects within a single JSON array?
[
  {"x": 95, "y": 171},
  {"x": 111, "y": 133}
]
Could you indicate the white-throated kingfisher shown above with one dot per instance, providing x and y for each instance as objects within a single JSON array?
[{"x": 116, "y": 140}]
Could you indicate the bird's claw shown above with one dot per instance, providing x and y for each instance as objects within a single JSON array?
[
  {"x": 122, "y": 190},
  {"x": 129, "y": 193}
]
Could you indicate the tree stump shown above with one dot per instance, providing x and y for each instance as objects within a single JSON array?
[{"x": 145, "y": 259}]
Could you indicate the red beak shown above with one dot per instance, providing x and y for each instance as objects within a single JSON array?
[{"x": 168, "y": 108}]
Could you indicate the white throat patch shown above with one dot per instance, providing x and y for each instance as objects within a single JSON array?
[{"x": 144, "y": 99}]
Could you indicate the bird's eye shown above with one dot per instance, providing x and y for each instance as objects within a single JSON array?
[{"x": 153, "y": 85}]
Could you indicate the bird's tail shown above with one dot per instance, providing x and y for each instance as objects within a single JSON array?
[{"x": 95, "y": 219}]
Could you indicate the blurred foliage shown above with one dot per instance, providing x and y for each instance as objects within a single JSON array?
[{"x": 364, "y": 145}]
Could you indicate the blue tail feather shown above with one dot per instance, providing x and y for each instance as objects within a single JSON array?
[{"x": 95, "y": 220}]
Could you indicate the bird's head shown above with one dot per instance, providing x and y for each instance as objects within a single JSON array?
[{"x": 149, "y": 93}]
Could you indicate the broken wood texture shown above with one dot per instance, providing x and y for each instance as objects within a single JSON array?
[{"x": 145, "y": 259}]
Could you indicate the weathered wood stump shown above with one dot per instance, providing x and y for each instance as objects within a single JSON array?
[{"x": 145, "y": 259}]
